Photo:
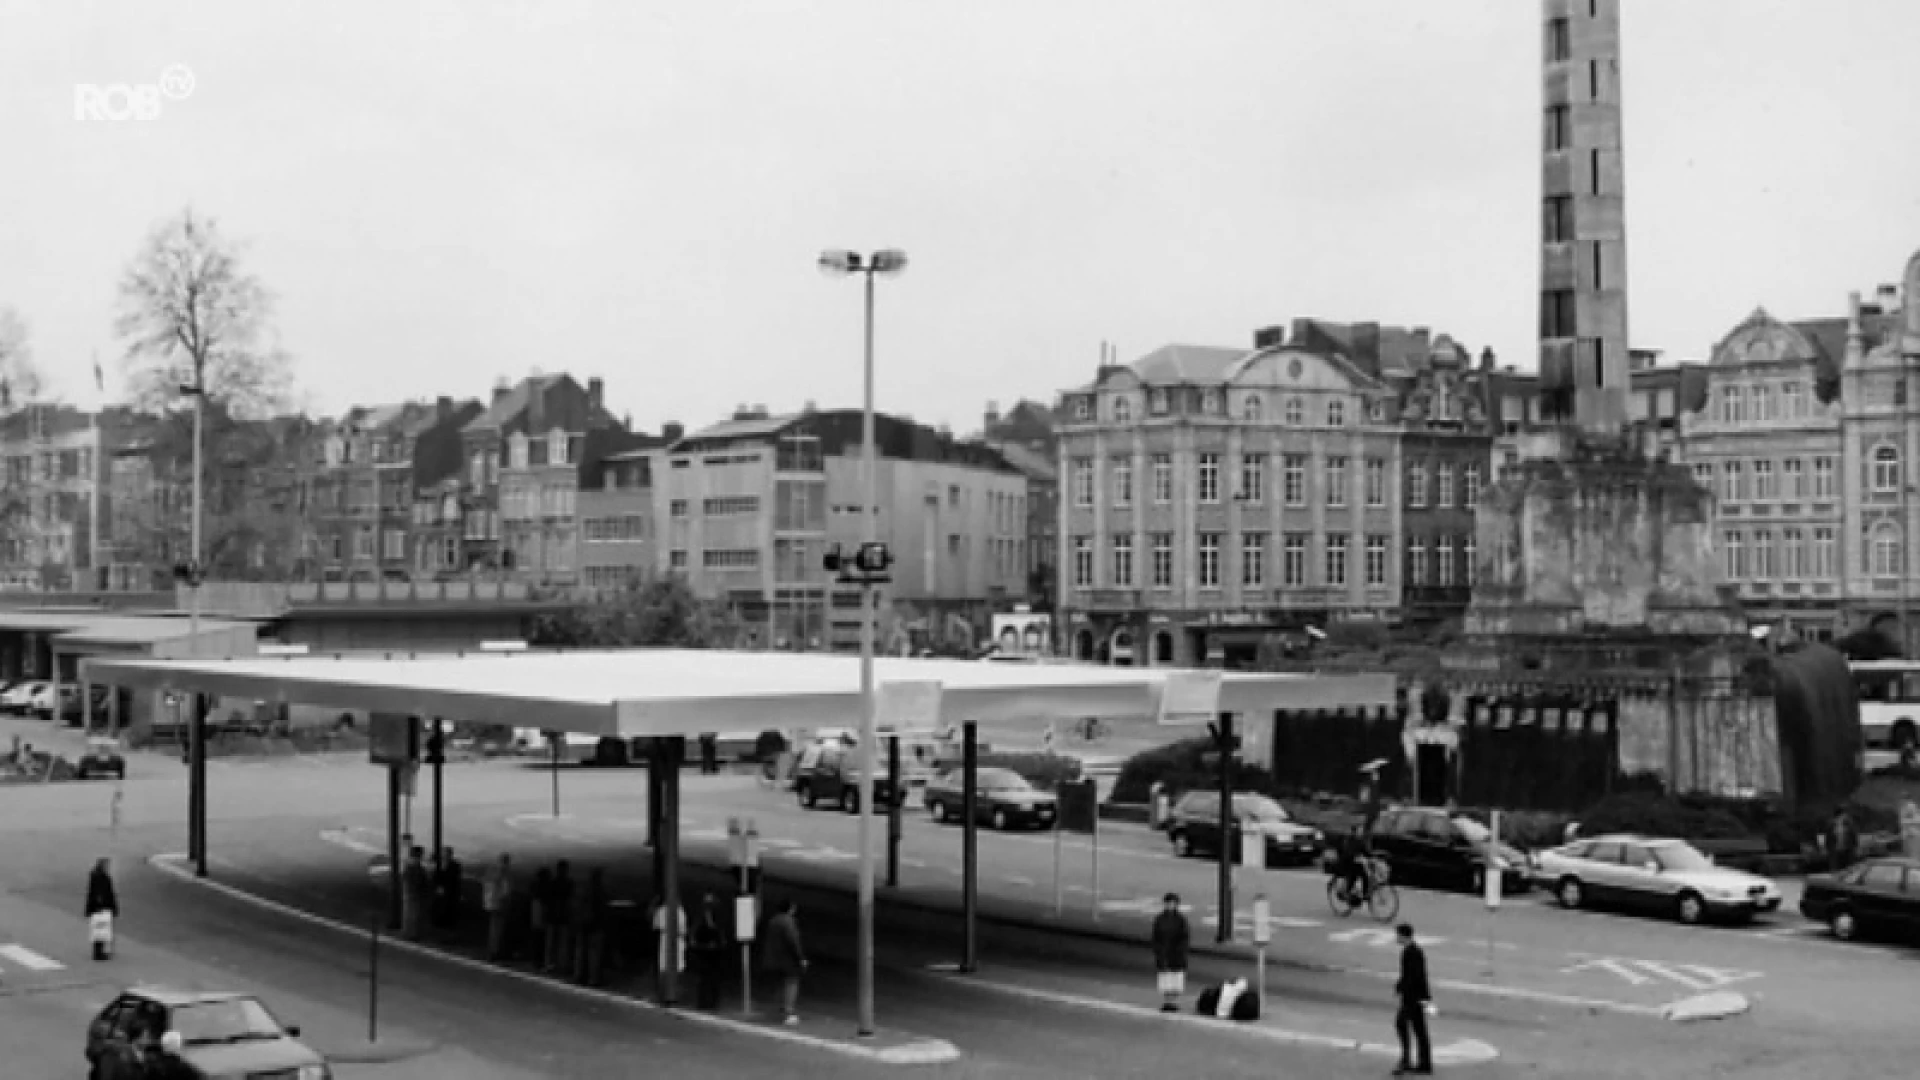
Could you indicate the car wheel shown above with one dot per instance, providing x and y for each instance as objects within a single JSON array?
[
  {"x": 1182, "y": 846},
  {"x": 1843, "y": 925},
  {"x": 1690, "y": 908},
  {"x": 850, "y": 801},
  {"x": 1570, "y": 894},
  {"x": 939, "y": 812},
  {"x": 1001, "y": 821},
  {"x": 807, "y": 798}
]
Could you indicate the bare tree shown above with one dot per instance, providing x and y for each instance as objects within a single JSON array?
[
  {"x": 20, "y": 379},
  {"x": 191, "y": 315}
]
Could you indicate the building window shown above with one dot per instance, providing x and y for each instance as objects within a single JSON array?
[
  {"x": 1123, "y": 561},
  {"x": 1703, "y": 474},
  {"x": 1157, "y": 403},
  {"x": 1734, "y": 550},
  {"x": 1083, "y": 562},
  {"x": 1210, "y": 403},
  {"x": 1823, "y": 478},
  {"x": 1559, "y": 127},
  {"x": 1763, "y": 481},
  {"x": 1556, "y": 314},
  {"x": 1336, "y": 481},
  {"x": 1886, "y": 470},
  {"x": 1733, "y": 481},
  {"x": 1336, "y": 413},
  {"x": 1444, "y": 475},
  {"x": 1416, "y": 562},
  {"x": 1082, "y": 409},
  {"x": 1253, "y": 560},
  {"x": 396, "y": 545},
  {"x": 1823, "y": 553},
  {"x": 1793, "y": 399},
  {"x": 1469, "y": 560},
  {"x": 730, "y": 559},
  {"x": 1209, "y": 566},
  {"x": 1082, "y": 481},
  {"x": 1122, "y": 410},
  {"x": 1209, "y": 478},
  {"x": 1253, "y": 478},
  {"x": 1121, "y": 466},
  {"x": 1763, "y": 554},
  {"x": 1793, "y": 555},
  {"x": 1376, "y": 482},
  {"x": 1162, "y": 478},
  {"x": 1443, "y": 561},
  {"x": 1728, "y": 398},
  {"x": 1293, "y": 479},
  {"x": 677, "y": 508},
  {"x": 363, "y": 542},
  {"x": 1558, "y": 226},
  {"x": 1293, "y": 561},
  {"x": 1253, "y": 408},
  {"x": 1163, "y": 560},
  {"x": 1884, "y": 553},
  {"x": 1793, "y": 479},
  {"x": 1336, "y": 560},
  {"x": 1559, "y": 40},
  {"x": 1417, "y": 486},
  {"x": 1376, "y": 559},
  {"x": 1470, "y": 486},
  {"x": 1295, "y": 413}
]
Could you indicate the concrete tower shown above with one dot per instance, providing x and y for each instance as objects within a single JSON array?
[{"x": 1583, "y": 243}]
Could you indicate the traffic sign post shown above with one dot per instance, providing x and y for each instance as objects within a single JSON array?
[
  {"x": 1262, "y": 936},
  {"x": 1496, "y": 867}
]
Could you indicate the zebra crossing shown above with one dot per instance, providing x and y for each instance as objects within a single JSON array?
[{"x": 16, "y": 957}]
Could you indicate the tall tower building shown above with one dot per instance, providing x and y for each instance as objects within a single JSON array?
[{"x": 1583, "y": 242}]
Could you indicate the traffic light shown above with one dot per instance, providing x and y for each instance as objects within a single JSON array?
[{"x": 873, "y": 558}]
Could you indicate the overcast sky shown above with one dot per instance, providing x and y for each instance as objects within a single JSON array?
[{"x": 445, "y": 193}]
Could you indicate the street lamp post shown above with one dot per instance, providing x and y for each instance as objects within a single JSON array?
[
  {"x": 840, "y": 264},
  {"x": 196, "y": 723}
]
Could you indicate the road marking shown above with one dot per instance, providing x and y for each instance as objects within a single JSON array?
[
  {"x": 1015, "y": 879},
  {"x": 345, "y": 838},
  {"x": 27, "y": 958},
  {"x": 913, "y": 864},
  {"x": 1636, "y": 972},
  {"x": 1377, "y": 938},
  {"x": 822, "y": 854}
]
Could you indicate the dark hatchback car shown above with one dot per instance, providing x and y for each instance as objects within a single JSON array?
[
  {"x": 1003, "y": 799},
  {"x": 221, "y": 1035},
  {"x": 1194, "y": 827},
  {"x": 830, "y": 773},
  {"x": 1432, "y": 847},
  {"x": 1878, "y": 898}
]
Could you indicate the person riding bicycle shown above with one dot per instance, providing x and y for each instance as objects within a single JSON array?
[{"x": 1351, "y": 867}]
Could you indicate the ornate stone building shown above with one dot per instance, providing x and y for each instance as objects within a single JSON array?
[
  {"x": 1767, "y": 444},
  {"x": 1446, "y": 456},
  {"x": 1879, "y": 443}
]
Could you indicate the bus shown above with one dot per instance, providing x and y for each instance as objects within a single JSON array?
[{"x": 1889, "y": 692}]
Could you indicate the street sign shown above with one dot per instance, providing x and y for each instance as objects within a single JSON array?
[
  {"x": 743, "y": 843},
  {"x": 393, "y": 739},
  {"x": 1262, "y": 921},
  {"x": 1079, "y": 806},
  {"x": 746, "y": 916},
  {"x": 908, "y": 708},
  {"x": 1189, "y": 698},
  {"x": 1496, "y": 864},
  {"x": 1253, "y": 849}
]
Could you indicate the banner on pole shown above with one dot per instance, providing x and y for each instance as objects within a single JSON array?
[
  {"x": 1189, "y": 698},
  {"x": 908, "y": 708}
]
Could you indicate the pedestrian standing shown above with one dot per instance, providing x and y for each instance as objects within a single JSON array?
[
  {"x": 103, "y": 907},
  {"x": 709, "y": 754},
  {"x": 496, "y": 897},
  {"x": 416, "y": 890},
  {"x": 539, "y": 905},
  {"x": 786, "y": 957},
  {"x": 1844, "y": 839},
  {"x": 590, "y": 929},
  {"x": 1171, "y": 940},
  {"x": 709, "y": 952},
  {"x": 559, "y": 918},
  {"x": 449, "y": 883},
  {"x": 1416, "y": 998}
]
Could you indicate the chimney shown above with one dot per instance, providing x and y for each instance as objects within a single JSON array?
[
  {"x": 1486, "y": 358},
  {"x": 1366, "y": 345},
  {"x": 809, "y": 408},
  {"x": 759, "y": 410},
  {"x": 596, "y": 392},
  {"x": 1855, "y": 334},
  {"x": 673, "y": 432},
  {"x": 1270, "y": 337},
  {"x": 993, "y": 416},
  {"x": 627, "y": 421},
  {"x": 443, "y": 407},
  {"x": 501, "y": 388}
]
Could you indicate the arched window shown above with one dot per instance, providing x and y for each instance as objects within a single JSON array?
[
  {"x": 1886, "y": 469},
  {"x": 1253, "y": 408},
  {"x": 1122, "y": 410},
  {"x": 1295, "y": 412},
  {"x": 1884, "y": 553}
]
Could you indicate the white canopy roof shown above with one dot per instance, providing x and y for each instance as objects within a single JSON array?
[{"x": 642, "y": 692}]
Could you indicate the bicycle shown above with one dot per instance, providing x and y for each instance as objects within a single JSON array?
[{"x": 1376, "y": 894}]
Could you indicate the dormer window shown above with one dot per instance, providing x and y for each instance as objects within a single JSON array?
[
  {"x": 1157, "y": 403},
  {"x": 1253, "y": 408},
  {"x": 517, "y": 451},
  {"x": 1122, "y": 410},
  {"x": 1210, "y": 402},
  {"x": 557, "y": 448},
  {"x": 1377, "y": 410},
  {"x": 1082, "y": 410}
]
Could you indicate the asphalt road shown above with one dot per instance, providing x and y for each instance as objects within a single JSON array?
[{"x": 1042, "y": 1003}]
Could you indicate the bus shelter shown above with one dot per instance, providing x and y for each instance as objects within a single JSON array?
[{"x": 668, "y": 695}]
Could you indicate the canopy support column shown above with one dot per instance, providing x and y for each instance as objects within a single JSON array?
[
  {"x": 970, "y": 846},
  {"x": 667, "y": 755}
]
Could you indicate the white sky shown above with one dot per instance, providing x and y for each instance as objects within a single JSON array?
[{"x": 443, "y": 193}]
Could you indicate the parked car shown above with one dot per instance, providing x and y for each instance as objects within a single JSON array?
[
  {"x": 830, "y": 773},
  {"x": 1653, "y": 874},
  {"x": 1439, "y": 849},
  {"x": 1194, "y": 827},
  {"x": 1002, "y": 798},
  {"x": 40, "y": 701},
  {"x": 102, "y": 758},
  {"x": 1876, "y": 898},
  {"x": 18, "y": 697},
  {"x": 221, "y": 1034}
]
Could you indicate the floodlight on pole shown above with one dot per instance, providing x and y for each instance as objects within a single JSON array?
[{"x": 839, "y": 263}]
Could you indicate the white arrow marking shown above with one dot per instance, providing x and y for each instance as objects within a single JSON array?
[
  {"x": 345, "y": 838},
  {"x": 29, "y": 959},
  {"x": 1696, "y": 977},
  {"x": 1367, "y": 935},
  {"x": 1611, "y": 964}
]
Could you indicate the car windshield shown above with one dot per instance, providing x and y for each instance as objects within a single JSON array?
[
  {"x": 1002, "y": 780},
  {"x": 235, "y": 1020},
  {"x": 1259, "y": 809},
  {"x": 1681, "y": 857}
]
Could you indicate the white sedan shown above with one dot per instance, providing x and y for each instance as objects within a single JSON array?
[
  {"x": 18, "y": 698},
  {"x": 1663, "y": 876}
]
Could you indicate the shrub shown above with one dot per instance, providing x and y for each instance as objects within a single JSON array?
[
  {"x": 1659, "y": 815},
  {"x": 1043, "y": 769},
  {"x": 1186, "y": 765},
  {"x": 769, "y": 745}
]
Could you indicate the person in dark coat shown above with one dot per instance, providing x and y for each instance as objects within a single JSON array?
[
  {"x": 786, "y": 958},
  {"x": 101, "y": 900},
  {"x": 709, "y": 952},
  {"x": 1843, "y": 840},
  {"x": 447, "y": 885},
  {"x": 1171, "y": 939},
  {"x": 416, "y": 892},
  {"x": 539, "y": 910},
  {"x": 559, "y": 918},
  {"x": 1416, "y": 996}
]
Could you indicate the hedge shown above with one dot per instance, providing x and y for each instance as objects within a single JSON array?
[{"x": 1187, "y": 765}]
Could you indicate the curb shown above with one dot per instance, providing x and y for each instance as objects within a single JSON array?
[
  {"x": 371, "y": 1054},
  {"x": 919, "y": 1052}
]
